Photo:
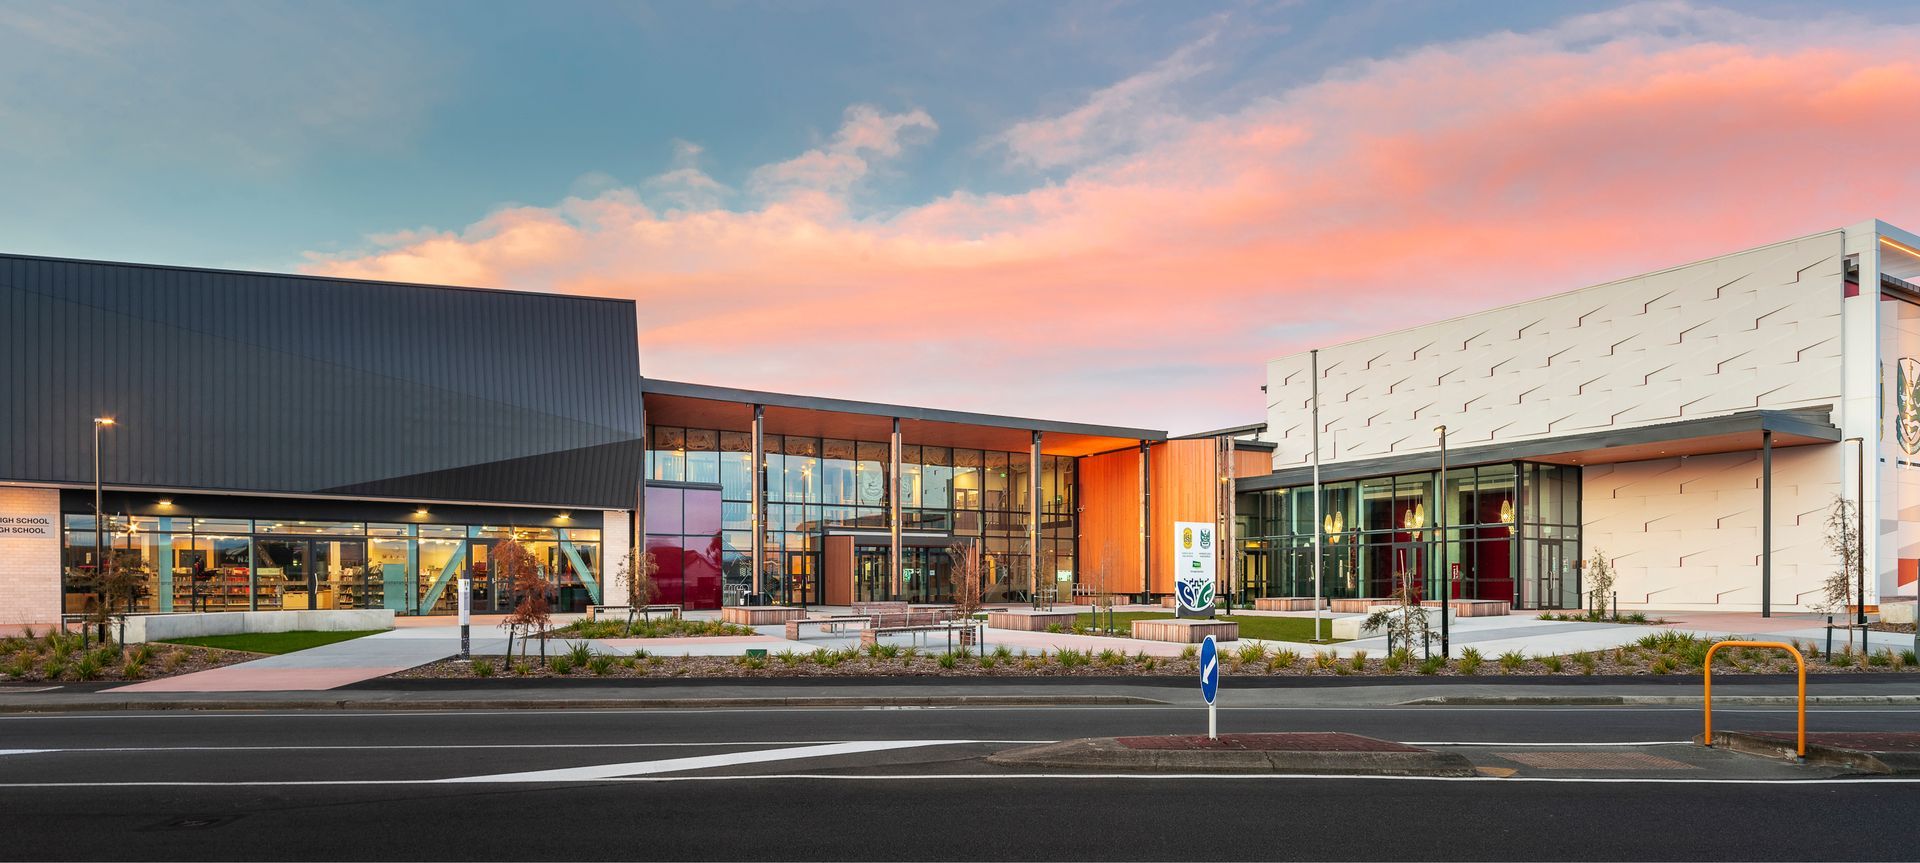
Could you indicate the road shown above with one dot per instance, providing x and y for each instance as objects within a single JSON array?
[{"x": 908, "y": 784}]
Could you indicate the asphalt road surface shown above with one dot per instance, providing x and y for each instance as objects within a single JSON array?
[{"x": 891, "y": 783}]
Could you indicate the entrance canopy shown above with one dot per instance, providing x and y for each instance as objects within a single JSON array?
[
  {"x": 1739, "y": 432},
  {"x": 672, "y": 403}
]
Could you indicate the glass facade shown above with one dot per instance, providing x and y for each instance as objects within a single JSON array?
[
  {"x": 1512, "y": 532},
  {"x": 225, "y": 564},
  {"x": 816, "y": 485}
]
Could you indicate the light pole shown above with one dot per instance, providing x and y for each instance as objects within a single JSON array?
[
  {"x": 99, "y": 513},
  {"x": 1440, "y": 541}
]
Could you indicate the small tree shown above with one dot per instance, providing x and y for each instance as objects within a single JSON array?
[
  {"x": 1407, "y": 619},
  {"x": 639, "y": 568},
  {"x": 1843, "y": 540},
  {"x": 1600, "y": 578},
  {"x": 116, "y": 585},
  {"x": 969, "y": 587},
  {"x": 532, "y": 613}
]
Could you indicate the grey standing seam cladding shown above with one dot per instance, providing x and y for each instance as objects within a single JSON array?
[{"x": 232, "y": 381}]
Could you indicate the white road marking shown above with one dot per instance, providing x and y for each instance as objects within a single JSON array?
[
  {"x": 549, "y": 713},
  {"x": 22, "y": 751},
  {"x": 355, "y": 747},
  {"x": 993, "y": 777},
  {"x": 703, "y": 762}
]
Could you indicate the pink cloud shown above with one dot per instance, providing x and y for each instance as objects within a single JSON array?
[{"x": 1147, "y": 285}]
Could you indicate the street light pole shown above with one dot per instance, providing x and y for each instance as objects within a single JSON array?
[
  {"x": 1440, "y": 541},
  {"x": 99, "y": 515}
]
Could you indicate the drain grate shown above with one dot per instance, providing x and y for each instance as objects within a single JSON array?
[{"x": 1594, "y": 761}]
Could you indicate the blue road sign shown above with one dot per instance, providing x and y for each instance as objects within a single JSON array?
[{"x": 1209, "y": 669}]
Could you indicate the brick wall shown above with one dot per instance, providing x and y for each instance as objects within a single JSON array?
[{"x": 29, "y": 556}]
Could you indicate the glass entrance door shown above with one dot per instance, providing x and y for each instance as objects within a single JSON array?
[
  {"x": 872, "y": 581},
  {"x": 312, "y": 574},
  {"x": 1552, "y": 582}
]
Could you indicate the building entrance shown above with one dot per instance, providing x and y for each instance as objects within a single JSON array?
[{"x": 312, "y": 573}]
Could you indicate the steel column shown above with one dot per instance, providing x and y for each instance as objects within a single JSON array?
[
  {"x": 893, "y": 509},
  {"x": 1146, "y": 520},
  {"x": 1033, "y": 512},
  {"x": 1441, "y": 546},
  {"x": 1318, "y": 530},
  {"x": 1860, "y": 541},
  {"x": 1766, "y": 523},
  {"x": 757, "y": 548}
]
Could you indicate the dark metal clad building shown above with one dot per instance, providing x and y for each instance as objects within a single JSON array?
[{"x": 304, "y": 385}]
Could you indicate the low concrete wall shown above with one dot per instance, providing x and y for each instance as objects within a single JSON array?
[{"x": 160, "y": 627}]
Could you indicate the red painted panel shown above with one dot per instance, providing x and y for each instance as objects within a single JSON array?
[{"x": 666, "y": 554}]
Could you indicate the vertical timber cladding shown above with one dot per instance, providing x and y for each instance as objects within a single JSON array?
[
  {"x": 1185, "y": 487},
  {"x": 1109, "y": 556},
  {"x": 29, "y": 555}
]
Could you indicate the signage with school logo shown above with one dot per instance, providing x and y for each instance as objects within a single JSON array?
[{"x": 1193, "y": 557}]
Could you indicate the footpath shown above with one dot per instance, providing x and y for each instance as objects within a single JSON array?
[{"x": 1898, "y": 690}]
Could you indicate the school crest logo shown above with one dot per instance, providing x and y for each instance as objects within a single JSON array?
[{"x": 1186, "y": 538}]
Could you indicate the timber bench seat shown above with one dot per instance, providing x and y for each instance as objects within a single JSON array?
[
  {"x": 595, "y": 611},
  {"x": 1475, "y": 607},
  {"x": 871, "y": 635},
  {"x": 834, "y": 624}
]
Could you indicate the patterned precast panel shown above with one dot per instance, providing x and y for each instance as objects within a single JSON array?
[{"x": 292, "y": 384}]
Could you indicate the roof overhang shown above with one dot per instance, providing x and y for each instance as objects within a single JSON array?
[
  {"x": 1739, "y": 432},
  {"x": 674, "y": 403}
]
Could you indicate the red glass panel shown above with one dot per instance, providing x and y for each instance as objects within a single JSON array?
[
  {"x": 666, "y": 554},
  {"x": 702, "y": 513},
  {"x": 663, "y": 510}
]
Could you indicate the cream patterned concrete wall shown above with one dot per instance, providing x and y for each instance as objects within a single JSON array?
[
  {"x": 1753, "y": 329},
  {"x": 1684, "y": 533},
  {"x": 614, "y": 543},
  {"x": 29, "y": 556}
]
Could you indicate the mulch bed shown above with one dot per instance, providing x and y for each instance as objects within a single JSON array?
[{"x": 191, "y": 659}]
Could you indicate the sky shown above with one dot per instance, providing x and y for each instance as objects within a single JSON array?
[{"x": 1109, "y": 212}]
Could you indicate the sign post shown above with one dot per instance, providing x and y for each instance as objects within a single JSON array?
[
  {"x": 1210, "y": 682},
  {"x": 1193, "y": 558},
  {"x": 466, "y": 616}
]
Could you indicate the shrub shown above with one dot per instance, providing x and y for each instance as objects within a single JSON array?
[
  {"x": 1552, "y": 663},
  {"x": 600, "y": 665},
  {"x": 1056, "y": 628},
  {"x": 1635, "y": 617},
  {"x": 823, "y": 657},
  {"x": 749, "y": 660},
  {"x": 1586, "y": 660},
  {"x": 1432, "y": 664},
  {"x": 1398, "y": 659},
  {"x": 1251, "y": 652},
  {"x": 579, "y": 653},
  {"x": 1148, "y": 663},
  {"x": 1359, "y": 660},
  {"x": 563, "y": 664},
  {"x": 1470, "y": 660},
  {"x": 1325, "y": 660},
  {"x": 522, "y": 669},
  {"x": 1189, "y": 652},
  {"x": 21, "y": 666},
  {"x": 1112, "y": 657},
  {"x": 1660, "y": 665},
  {"x": 1907, "y": 658},
  {"x": 1284, "y": 658},
  {"x": 1070, "y": 658},
  {"x": 1882, "y": 659},
  {"x": 141, "y": 654},
  {"x": 1003, "y": 652},
  {"x": 482, "y": 668},
  {"x": 54, "y": 669},
  {"x": 89, "y": 666},
  {"x": 948, "y": 660},
  {"x": 989, "y": 661},
  {"x": 1511, "y": 661}
]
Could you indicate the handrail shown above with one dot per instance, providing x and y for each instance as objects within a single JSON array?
[{"x": 1707, "y": 679}]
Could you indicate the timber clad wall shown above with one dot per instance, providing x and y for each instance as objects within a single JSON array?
[
  {"x": 293, "y": 384},
  {"x": 1109, "y": 555}
]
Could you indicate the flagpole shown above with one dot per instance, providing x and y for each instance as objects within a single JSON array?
[{"x": 1314, "y": 356}]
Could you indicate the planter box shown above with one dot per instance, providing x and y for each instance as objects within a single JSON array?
[
  {"x": 1283, "y": 603},
  {"x": 1030, "y": 621},
  {"x": 1475, "y": 607},
  {"x": 1352, "y": 606},
  {"x": 1186, "y": 631},
  {"x": 761, "y": 615},
  {"x": 1896, "y": 610},
  {"x": 159, "y": 627}
]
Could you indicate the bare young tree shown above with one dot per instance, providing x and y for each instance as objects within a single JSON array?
[
  {"x": 969, "y": 584},
  {"x": 532, "y": 612},
  {"x": 1843, "y": 540},
  {"x": 1600, "y": 578},
  {"x": 639, "y": 568},
  {"x": 1406, "y": 620}
]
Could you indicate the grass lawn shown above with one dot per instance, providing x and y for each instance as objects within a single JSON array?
[
  {"x": 1251, "y": 625},
  {"x": 274, "y": 642}
]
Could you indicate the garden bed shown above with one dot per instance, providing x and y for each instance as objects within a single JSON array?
[
  {"x": 659, "y": 627},
  {"x": 56, "y": 657},
  {"x": 1261, "y": 626},
  {"x": 1659, "y": 654}
]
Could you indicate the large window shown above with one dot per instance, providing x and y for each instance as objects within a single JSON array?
[
  {"x": 814, "y": 485},
  {"x": 1503, "y": 531}
]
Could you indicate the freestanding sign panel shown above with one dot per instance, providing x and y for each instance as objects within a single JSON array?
[
  {"x": 1210, "y": 682},
  {"x": 1193, "y": 555}
]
